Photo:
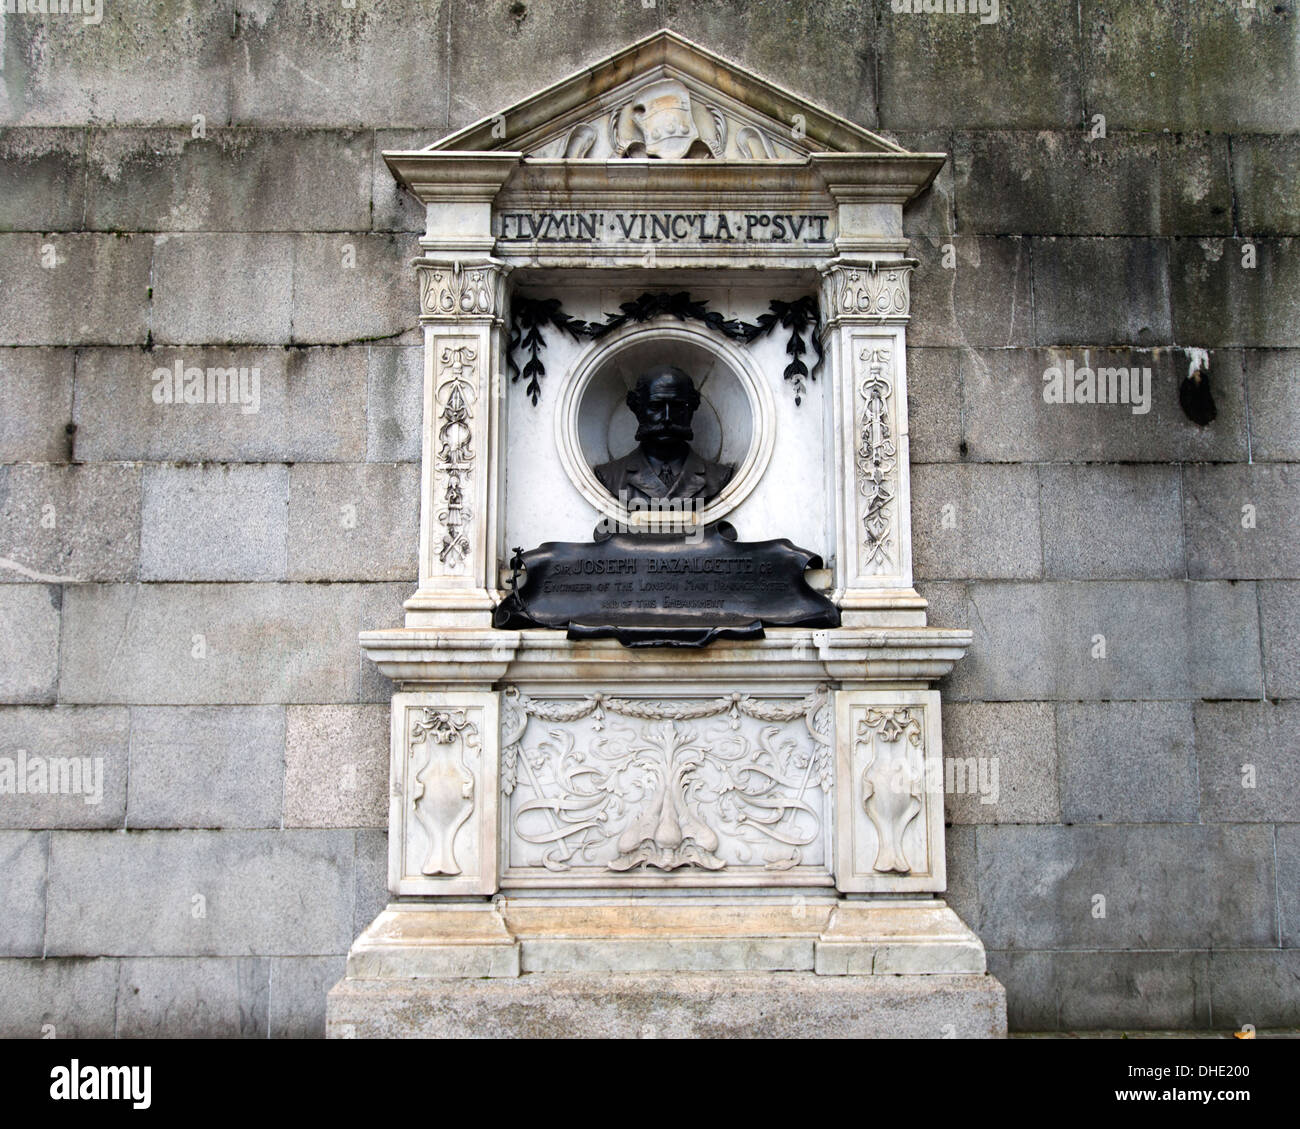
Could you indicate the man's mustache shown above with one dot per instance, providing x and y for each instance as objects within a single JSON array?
[{"x": 664, "y": 431}]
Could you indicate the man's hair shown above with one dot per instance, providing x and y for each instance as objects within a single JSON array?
[{"x": 637, "y": 395}]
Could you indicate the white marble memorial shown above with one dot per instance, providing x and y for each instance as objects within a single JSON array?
[{"x": 750, "y": 833}]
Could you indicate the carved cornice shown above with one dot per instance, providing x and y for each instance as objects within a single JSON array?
[
  {"x": 871, "y": 291},
  {"x": 456, "y": 291}
]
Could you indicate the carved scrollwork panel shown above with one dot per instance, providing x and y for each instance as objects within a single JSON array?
[
  {"x": 876, "y": 456},
  {"x": 457, "y": 291}
]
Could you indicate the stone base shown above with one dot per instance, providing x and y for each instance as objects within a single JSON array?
[{"x": 784, "y": 967}]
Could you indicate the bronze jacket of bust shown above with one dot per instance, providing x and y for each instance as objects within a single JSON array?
[{"x": 634, "y": 474}]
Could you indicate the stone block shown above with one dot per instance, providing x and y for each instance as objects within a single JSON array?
[
  {"x": 934, "y": 405},
  {"x": 1241, "y": 521},
  {"x": 392, "y": 207},
  {"x": 128, "y": 69},
  {"x": 372, "y": 877},
  {"x": 205, "y": 998},
  {"x": 1279, "y": 613},
  {"x": 962, "y": 895},
  {"x": 1066, "y": 183},
  {"x": 294, "y": 405},
  {"x": 1273, "y": 380},
  {"x": 1180, "y": 886},
  {"x": 1249, "y": 759},
  {"x": 1112, "y": 521},
  {"x": 93, "y": 795},
  {"x": 35, "y": 405},
  {"x": 206, "y": 766},
  {"x": 498, "y": 54},
  {"x": 1265, "y": 171},
  {"x": 1127, "y": 762},
  {"x": 217, "y": 288},
  {"x": 1137, "y": 60},
  {"x": 70, "y": 289},
  {"x": 972, "y": 520},
  {"x": 199, "y": 893},
  {"x": 1007, "y": 418},
  {"x": 354, "y": 287},
  {"x": 377, "y": 62},
  {"x": 229, "y": 180},
  {"x": 222, "y": 522},
  {"x": 1031, "y": 998},
  {"x": 981, "y": 299},
  {"x": 1255, "y": 987},
  {"x": 70, "y": 523},
  {"x": 1102, "y": 292},
  {"x": 336, "y": 766},
  {"x": 936, "y": 67},
  {"x": 1000, "y": 763},
  {"x": 61, "y": 999},
  {"x": 933, "y": 214},
  {"x": 29, "y": 643},
  {"x": 42, "y": 179},
  {"x": 354, "y": 522},
  {"x": 394, "y": 402},
  {"x": 299, "y": 986},
  {"x": 23, "y": 861},
  {"x": 1288, "y": 885},
  {"x": 211, "y": 644},
  {"x": 1218, "y": 299}
]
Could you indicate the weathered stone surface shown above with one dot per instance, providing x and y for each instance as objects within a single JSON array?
[
  {"x": 214, "y": 288},
  {"x": 1000, "y": 763},
  {"x": 1279, "y": 613},
  {"x": 294, "y": 405},
  {"x": 934, "y": 405},
  {"x": 1241, "y": 521},
  {"x": 1067, "y": 183},
  {"x": 671, "y": 1006},
  {"x": 392, "y": 207},
  {"x": 1162, "y": 639},
  {"x": 1249, "y": 759},
  {"x": 1264, "y": 175},
  {"x": 379, "y": 62},
  {"x": 35, "y": 405},
  {"x": 260, "y": 643},
  {"x": 199, "y": 893},
  {"x": 1137, "y": 61},
  {"x": 1008, "y": 420},
  {"x": 1218, "y": 300},
  {"x": 1288, "y": 885},
  {"x": 394, "y": 402},
  {"x": 935, "y": 68},
  {"x": 23, "y": 858},
  {"x": 933, "y": 213},
  {"x": 299, "y": 986},
  {"x": 1273, "y": 379},
  {"x": 353, "y": 288},
  {"x": 42, "y": 179},
  {"x": 70, "y": 289},
  {"x": 981, "y": 299},
  {"x": 1082, "y": 991},
  {"x": 167, "y": 68},
  {"x": 180, "y": 998},
  {"x": 1102, "y": 292},
  {"x": 228, "y": 180},
  {"x": 962, "y": 895},
  {"x": 336, "y": 766},
  {"x": 61, "y": 999},
  {"x": 95, "y": 732},
  {"x": 29, "y": 644},
  {"x": 1111, "y": 521},
  {"x": 1127, "y": 762},
  {"x": 372, "y": 877},
  {"x": 975, "y": 521},
  {"x": 1254, "y": 987},
  {"x": 1039, "y": 887},
  {"x": 354, "y": 522},
  {"x": 70, "y": 522},
  {"x": 206, "y": 766},
  {"x": 224, "y": 522}
]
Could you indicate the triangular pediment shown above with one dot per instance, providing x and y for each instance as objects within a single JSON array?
[{"x": 666, "y": 97}]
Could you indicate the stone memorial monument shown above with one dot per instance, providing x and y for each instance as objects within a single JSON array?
[{"x": 666, "y": 755}]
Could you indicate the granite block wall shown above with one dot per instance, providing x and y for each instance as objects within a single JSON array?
[{"x": 198, "y": 183}]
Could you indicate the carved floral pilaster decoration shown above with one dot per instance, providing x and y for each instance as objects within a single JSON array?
[
  {"x": 870, "y": 290},
  {"x": 454, "y": 397},
  {"x": 456, "y": 291},
  {"x": 617, "y": 784},
  {"x": 443, "y": 789},
  {"x": 891, "y": 785},
  {"x": 876, "y": 456}
]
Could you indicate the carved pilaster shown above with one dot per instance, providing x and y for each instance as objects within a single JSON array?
[
  {"x": 889, "y": 809},
  {"x": 456, "y": 291},
  {"x": 870, "y": 291}
]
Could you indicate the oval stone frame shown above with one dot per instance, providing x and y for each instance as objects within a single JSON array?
[{"x": 598, "y": 356}]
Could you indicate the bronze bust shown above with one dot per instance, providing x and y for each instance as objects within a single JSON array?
[{"x": 664, "y": 467}]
